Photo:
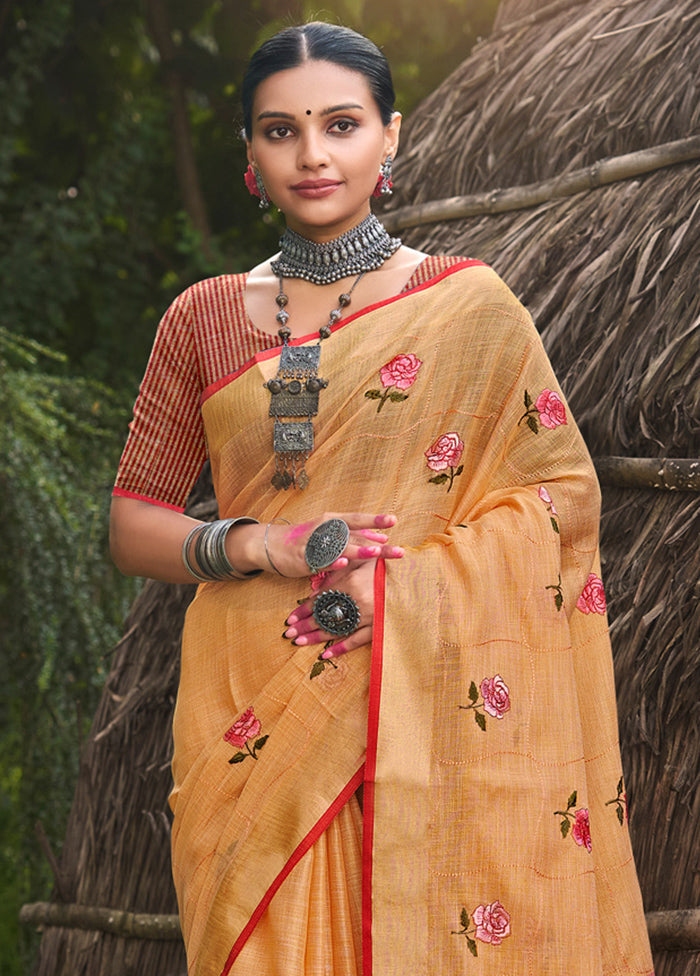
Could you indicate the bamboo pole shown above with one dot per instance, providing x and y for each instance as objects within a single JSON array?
[
  {"x": 666, "y": 474},
  {"x": 127, "y": 925},
  {"x": 610, "y": 170},
  {"x": 676, "y": 929}
]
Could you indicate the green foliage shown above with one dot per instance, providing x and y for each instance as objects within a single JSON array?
[{"x": 61, "y": 603}]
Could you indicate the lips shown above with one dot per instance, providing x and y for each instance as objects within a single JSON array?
[{"x": 316, "y": 188}]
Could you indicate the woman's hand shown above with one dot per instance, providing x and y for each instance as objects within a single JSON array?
[
  {"x": 358, "y": 582},
  {"x": 286, "y": 544}
]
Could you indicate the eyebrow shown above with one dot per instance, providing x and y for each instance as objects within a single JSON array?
[{"x": 325, "y": 111}]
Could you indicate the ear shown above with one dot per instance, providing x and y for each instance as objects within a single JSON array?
[
  {"x": 249, "y": 152},
  {"x": 391, "y": 136}
]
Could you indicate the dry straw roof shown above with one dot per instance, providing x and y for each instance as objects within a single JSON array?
[{"x": 611, "y": 276}]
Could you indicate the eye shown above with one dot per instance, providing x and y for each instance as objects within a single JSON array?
[
  {"x": 279, "y": 132},
  {"x": 343, "y": 126}
]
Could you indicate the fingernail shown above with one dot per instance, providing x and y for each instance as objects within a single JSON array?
[
  {"x": 327, "y": 655},
  {"x": 284, "y": 634},
  {"x": 366, "y": 552},
  {"x": 397, "y": 551},
  {"x": 290, "y": 633},
  {"x": 300, "y": 641}
]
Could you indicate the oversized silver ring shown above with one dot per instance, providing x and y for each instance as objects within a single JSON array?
[
  {"x": 336, "y": 613},
  {"x": 326, "y": 543}
]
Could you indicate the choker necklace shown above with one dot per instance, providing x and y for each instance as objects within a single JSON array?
[
  {"x": 362, "y": 248},
  {"x": 294, "y": 393}
]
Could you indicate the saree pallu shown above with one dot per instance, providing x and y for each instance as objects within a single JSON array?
[{"x": 482, "y": 721}]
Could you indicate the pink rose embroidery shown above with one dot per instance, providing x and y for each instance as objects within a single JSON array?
[
  {"x": 396, "y": 376},
  {"x": 445, "y": 453},
  {"x": 547, "y": 410},
  {"x": 576, "y": 822},
  {"x": 318, "y": 579},
  {"x": 495, "y": 700},
  {"x": 494, "y": 691},
  {"x": 244, "y": 729},
  {"x": 581, "y": 830},
  {"x": 401, "y": 372},
  {"x": 491, "y": 925},
  {"x": 620, "y": 803},
  {"x": 592, "y": 599},
  {"x": 547, "y": 499},
  {"x": 551, "y": 409}
]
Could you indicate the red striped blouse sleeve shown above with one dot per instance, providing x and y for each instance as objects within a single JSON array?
[{"x": 166, "y": 446}]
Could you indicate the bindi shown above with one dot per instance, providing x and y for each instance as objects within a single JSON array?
[{"x": 308, "y": 111}]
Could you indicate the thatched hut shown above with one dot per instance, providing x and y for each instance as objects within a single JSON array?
[{"x": 609, "y": 271}]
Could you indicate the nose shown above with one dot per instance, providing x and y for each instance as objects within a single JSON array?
[{"x": 312, "y": 151}]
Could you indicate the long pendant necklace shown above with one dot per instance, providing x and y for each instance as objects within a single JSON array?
[{"x": 294, "y": 394}]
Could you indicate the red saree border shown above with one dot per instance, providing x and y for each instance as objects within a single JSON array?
[
  {"x": 265, "y": 354},
  {"x": 123, "y": 493},
  {"x": 308, "y": 842},
  {"x": 375, "y": 693}
]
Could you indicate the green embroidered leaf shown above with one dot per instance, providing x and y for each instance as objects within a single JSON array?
[
  {"x": 373, "y": 394},
  {"x": 459, "y": 470},
  {"x": 397, "y": 397},
  {"x": 438, "y": 479},
  {"x": 464, "y": 918},
  {"x": 565, "y": 827},
  {"x": 620, "y": 786},
  {"x": 259, "y": 743},
  {"x": 558, "y": 601},
  {"x": 528, "y": 401},
  {"x": 473, "y": 692},
  {"x": 555, "y": 526},
  {"x": 239, "y": 757},
  {"x": 472, "y": 946},
  {"x": 317, "y": 669},
  {"x": 571, "y": 802},
  {"x": 620, "y": 816},
  {"x": 480, "y": 720},
  {"x": 532, "y": 424}
]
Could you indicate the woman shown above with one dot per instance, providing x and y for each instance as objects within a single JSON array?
[{"x": 451, "y": 658}]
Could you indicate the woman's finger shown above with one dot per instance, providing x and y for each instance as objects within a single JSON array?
[{"x": 362, "y": 636}]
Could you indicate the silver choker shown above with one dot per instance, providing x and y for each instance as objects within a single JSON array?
[{"x": 363, "y": 248}]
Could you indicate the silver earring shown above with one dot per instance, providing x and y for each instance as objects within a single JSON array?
[
  {"x": 385, "y": 184},
  {"x": 264, "y": 198}
]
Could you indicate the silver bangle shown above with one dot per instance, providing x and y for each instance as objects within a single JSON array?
[
  {"x": 212, "y": 562},
  {"x": 267, "y": 551}
]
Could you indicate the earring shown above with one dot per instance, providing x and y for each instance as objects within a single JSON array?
[
  {"x": 256, "y": 187},
  {"x": 384, "y": 184}
]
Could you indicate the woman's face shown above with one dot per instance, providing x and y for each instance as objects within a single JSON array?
[{"x": 318, "y": 140}]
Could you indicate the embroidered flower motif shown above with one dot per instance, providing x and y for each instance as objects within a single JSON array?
[
  {"x": 620, "y": 803},
  {"x": 491, "y": 925},
  {"x": 576, "y": 821},
  {"x": 399, "y": 372},
  {"x": 445, "y": 453},
  {"x": 592, "y": 599},
  {"x": 547, "y": 499},
  {"x": 558, "y": 593},
  {"x": 320, "y": 664},
  {"x": 243, "y": 730},
  {"x": 547, "y": 410},
  {"x": 318, "y": 579},
  {"x": 251, "y": 183},
  {"x": 495, "y": 700}
]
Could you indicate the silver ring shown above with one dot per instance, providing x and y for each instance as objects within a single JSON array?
[
  {"x": 336, "y": 613},
  {"x": 326, "y": 543}
]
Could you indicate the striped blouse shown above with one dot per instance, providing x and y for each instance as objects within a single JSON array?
[{"x": 204, "y": 336}]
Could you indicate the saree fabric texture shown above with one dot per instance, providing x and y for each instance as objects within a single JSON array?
[{"x": 481, "y": 722}]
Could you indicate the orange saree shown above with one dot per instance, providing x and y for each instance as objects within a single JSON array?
[{"x": 482, "y": 721}]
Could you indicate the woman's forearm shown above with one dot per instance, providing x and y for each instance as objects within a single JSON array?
[{"x": 146, "y": 540}]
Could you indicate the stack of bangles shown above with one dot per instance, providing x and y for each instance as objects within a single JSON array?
[{"x": 334, "y": 611}]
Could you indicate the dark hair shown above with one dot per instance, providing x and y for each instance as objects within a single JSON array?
[{"x": 318, "y": 41}]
